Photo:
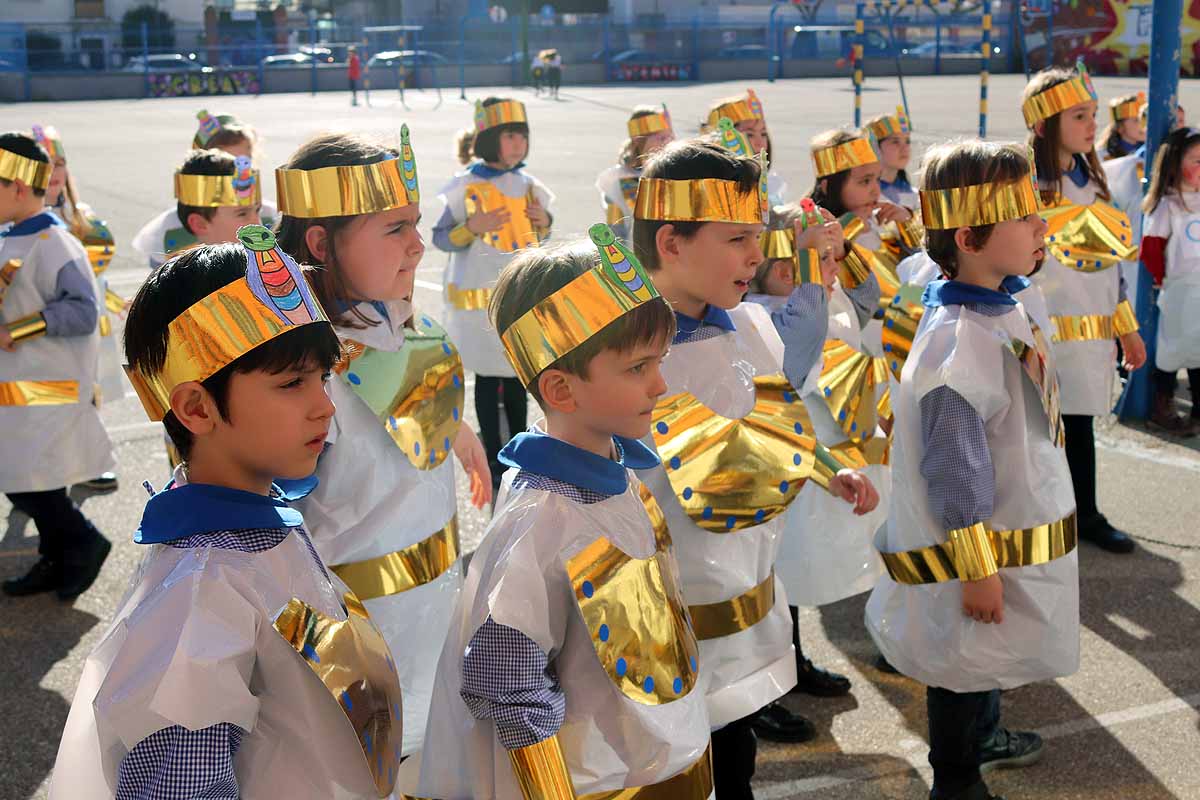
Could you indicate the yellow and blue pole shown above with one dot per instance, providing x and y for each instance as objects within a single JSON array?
[
  {"x": 986, "y": 55},
  {"x": 859, "y": 35},
  {"x": 1164, "y": 97}
]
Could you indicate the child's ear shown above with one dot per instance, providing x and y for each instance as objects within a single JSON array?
[
  {"x": 1039, "y": 129},
  {"x": 823, "y": 185},
  {"x": 317, "y": 240},
  {"x": 965, "y": 240},
  {"x": 193, "y": 406},
  {"x": 197, "y": 224},
  {"x": 557, "y": 394}
]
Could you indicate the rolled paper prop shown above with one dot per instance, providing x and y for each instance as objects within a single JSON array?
[
  {"x": 732, "y": 139},
  {"x": 210, "y": 126},
  {"x": 275, "y": 278},
  {"x": 243, "y": 177}
]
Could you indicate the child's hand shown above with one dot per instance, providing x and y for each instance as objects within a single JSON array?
[
  {"x": 856, "y": 488},
  {"x": 823, "y": 238},
  {"x": 839, "y": 246},
  {"x": 6, "y": 340},
  {"x": 474, "y": 460},
  {"x": 890, "y": 212},
  {"x": 983, "y": 600},
  {"x": 1134, "y": 349},
  {"x": 538, "y": 216},
  {"x": 482, "y": 222}
]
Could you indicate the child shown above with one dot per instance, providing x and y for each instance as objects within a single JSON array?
[
  {"x": 1127, "y": 131},
  {"x": 1084, "y": 294},
  {"x": 383, "y": 512},
  {"x": 167, "y": 233},
  {"x": 893, "y": 138},
  {"x": 982, "y": 592},
  {"x": 649, "y": 131},
  {"x": 735, "y": 442},
  {"x": 1124, "y": 175},
  {"x": 49, "y": 347},
  {"x": 572, "y": 668},
  {"x": 1172, "y": 206},
  {"x": 746, "y": 113},
  {"x": 493, "y": 208},
  {"x": 236, "y": 666}
]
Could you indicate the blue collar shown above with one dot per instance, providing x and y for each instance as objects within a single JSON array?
[
  {"x": 685, "y": 326},
  {"x": 205, "y": 508},
  {"x": 1141, "y": 153},
  {"x": 538, "y": 452},
  {"x": 35, "y": 224},
  {"x": 482, "y": 170},
  {"x": 1078, "y": 172},
  {"x": 900, "y": 184},
  {"x": 341, "y": 306},
  {"x": 1126, "y": 147},
  {"x": 952, "y": 293}
]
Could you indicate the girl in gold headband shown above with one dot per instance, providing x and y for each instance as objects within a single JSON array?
[
  {"x": 492, "y": 209},
  {"x": 1127, "y": 130},
  {"x": 383, "y": 511},
  {"x": 1085, "y": 295},
  {"x": 746, "y": 112},
  {"x": 649, "y": 131}
]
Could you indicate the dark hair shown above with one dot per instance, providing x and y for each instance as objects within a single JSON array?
[
  {"x": 686, "y": 160},
  {"x": 537, "y": 273},
  {"x": 632, "y": 152},
  {"x": 464, "y": 143},
  {"x": 1045, "y": 147},
  {"x": 329, "y": 150},
  {"x": 203, "y": 162},
  {"x": 180, "y": 283},
  {"x": 827, "y": 191},
  {"x": 967, "y": 163},
  {"x": 232, "y": 132},
  {"x": 1167, "y": 175},
  {"x": 1110, "y": 137},
  {"x": 486, "y": 144},
  {"x": 24, "y": 145}
]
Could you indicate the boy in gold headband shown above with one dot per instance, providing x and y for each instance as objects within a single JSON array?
[
  {"x": 49, "y": 348},
  {"x": 649, "y": 131},
  {"x": 733, "y": 410},
  {"x": 571, "y": 668},
  {"x": 237, "y": 665},
  {"x": 982, "y": 589}
]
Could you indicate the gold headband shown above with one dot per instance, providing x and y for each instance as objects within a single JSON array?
[
  {"x": 214, "y": 191},
  {"x": 1130, "y": 109},
  {"x": 35, "y": 174},
  {"x": 581, "y": 309},
  {"x": 505, "y": 112},
  {"x": 49, "y": 139},
  {"x": 271, "y": 299},
  {"x": 740, "y": 110},
  {"x": 981, "y": 204},
  {"x": 1059, "y": 97},
  {"x": 349, "y": 191},
  {"x": 778, "y": 244},
  {"x": 890, "y": 126},
  {"x": 650, "y": 123},
  {"x": 703, "y": 200},
  {"x": 837, "y": 158}
]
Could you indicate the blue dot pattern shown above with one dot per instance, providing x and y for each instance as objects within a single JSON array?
[
  {"x": 588, "y": 589},
  {"x": 621, "y": 667},
  {"x": 603, "y": 633},
  {"x": 662, "y": 428}
]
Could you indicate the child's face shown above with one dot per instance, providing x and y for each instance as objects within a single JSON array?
[
  {"x": 513, "y": 148},
  {"x": 777, "y": 280},
  {"x": 58, "y": 180},
  {"x": 621, "y": 389},
  {"x": 1189, "y": 168},
  {"x": 895, "y": 151},
  {"x": 1016, "y": 245},
  {"x": 1131, "y": 130},
  {"x": 656, "y": 141},
  {"x": 241, "y": 147},
  {"x": 1077, "y": 128},
  {"x": 18, "y": 201},
  {"x": 756, "y": 133},
  {"x": 276, "y": 423},
  {"x": 378, "y": 254},
  {"x": 860, "y": 192},
  {"x": 718, "y": 263},
  {"x": 224, "y": 224}
]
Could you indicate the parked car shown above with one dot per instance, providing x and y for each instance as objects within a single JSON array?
[
  {"x": 407, "y": 58},
  {"x": 743, "y": 52},
  {"x": 166, "y": 62},
  {"x": 636, "y": 56},
  {"x": 288, "y": 60},
  {"x": 930, "y": 49}
]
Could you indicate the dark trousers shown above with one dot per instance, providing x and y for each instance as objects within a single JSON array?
[
  {"x": 1081, "y": 458},
  {"x": 1166, "y": 383},
  {"x": 734, "y": 748},
  {"x": 488, "y": 393},
  {"x": 958, "y": 722},
  {"x": 354, "y": 91},
  {"x": 63, "y": 531}
]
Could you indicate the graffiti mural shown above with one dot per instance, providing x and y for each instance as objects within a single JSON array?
[
  {"x": 190, "y": 84},
  {"x": 1111, "y": 36}
]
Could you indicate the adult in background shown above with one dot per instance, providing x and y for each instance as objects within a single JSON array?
[{"x": 353, "y": 72}]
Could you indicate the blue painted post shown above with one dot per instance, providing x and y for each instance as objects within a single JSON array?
[
  {"x": 145, "y": 60},
  {"x": 1164, "y": 97},
  {"x": 260, "y": 48},
  {"x": 986, "y": 55},
  {"x": 859, "y": 31},
  {"x": 462, "y": 59},
  {"x": 696, "y": 47},
  {"x": 312, "y": 42},
  {"x": 1050, "y": 34}
]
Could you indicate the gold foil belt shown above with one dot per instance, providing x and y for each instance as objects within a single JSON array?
[
  {"x": 1016, "y": 548},
  {"x": 694, "y": 783},
  {"x": 405, "y": 569},
  {"x": 1083, "y": 328},
  {"x": 648, "y": 124},
  {"x": 32, "y": 173},
  {"x": 341, "y": 191},
  {"x": 701, "y": 200},
  {"x": 215, "y": 191},
  {"x": 1057, "y": 99},
  {"x": 468, "y": 299},
  {"x": 841, "y": 157},
  {"x": 981, "y": 204},
  {"x": 714, "y": 620},
  {"x": 39, "y": 393}
]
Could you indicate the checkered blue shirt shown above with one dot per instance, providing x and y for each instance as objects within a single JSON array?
[{"x": 956, "y": 463}]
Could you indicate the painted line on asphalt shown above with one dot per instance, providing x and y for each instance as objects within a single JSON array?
[
  {"x": 1157, "y": 455},
  {"x": 781, "y": 790}
]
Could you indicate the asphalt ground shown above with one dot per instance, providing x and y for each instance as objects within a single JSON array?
[{"x": 1124, "y": 726}]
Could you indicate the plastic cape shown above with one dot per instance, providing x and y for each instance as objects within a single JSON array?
[
  {"x": 1177, "y": 219},
  {"x": 776, "y": 188},
  {"x": 921, "y": 629},
  {"x": 472, "y": 273},
  {"x": 618, "y": 191},
  {"x": 753, "y": 666},
  {"x": 1124, "y": 176},
  {"x": 49, "y": 420},
  {"x": 193, "y": 644},
  {"x": 97, "y": 240},
  {"x": 164, "y": 235},
  {"x": 902, "y": 194},
  {"x": 520, "y": 577},
  {"x": 372, "y": 504},
  {"x": 1087, "y": 369}
]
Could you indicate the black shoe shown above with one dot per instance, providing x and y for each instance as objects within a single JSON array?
[
  {"x": 819, "y": 682},
  {"x": 883, "y": 665},
  {"x": 43, "y": 577},
  {"x": 104, "y": 484},
  {"x": 81, "y": 571},
  {"x": 1008, "y": 748},
  {"x": 775, "y": 723},
  {"x": 978, "y": 791},
  {"x": 1101, "y": 533}
]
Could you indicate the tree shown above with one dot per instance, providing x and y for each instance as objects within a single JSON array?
[{"x": 160, "y": 30}]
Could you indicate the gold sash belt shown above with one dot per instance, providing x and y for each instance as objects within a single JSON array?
[
  {"x": 714, "y": 620},
  {"x": 1083, "y": 328},
  {"x": 468, "y": 299},
  {"x": 1017, "y": 548},
  {"x": 39, "y": 393},
  {"x": 405, "y": 569}
]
